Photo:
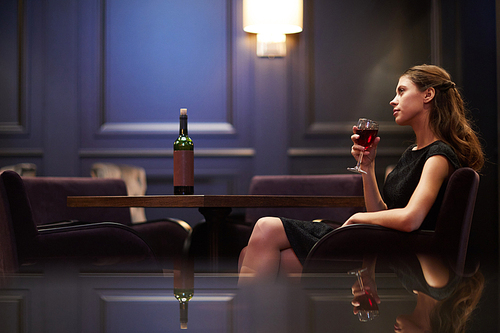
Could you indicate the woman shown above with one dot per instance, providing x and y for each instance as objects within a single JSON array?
[
  {"x": 428, "y": 101},
  {"x": 444, "y": 301}
]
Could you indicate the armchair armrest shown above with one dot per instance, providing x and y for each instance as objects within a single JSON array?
[
  {"x": 354, "y": 241},
  {"x": 180, "y": 222},
  {"x": 67, "y": 223},
  {"x": 93, "y": 242}
]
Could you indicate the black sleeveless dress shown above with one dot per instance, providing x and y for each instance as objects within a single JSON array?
[
  {"x": 410, "y": 274},
  {"x": 398, "y": 188}
]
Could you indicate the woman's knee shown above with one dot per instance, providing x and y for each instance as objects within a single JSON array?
[{"x": 269, "y": 228}]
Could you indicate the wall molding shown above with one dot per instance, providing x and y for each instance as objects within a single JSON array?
[
  {"x": 139, "y": 152},
  {"x": 436, "y": 33},
  {"x": 200, "y": 297},
  {"x": 165, "y": 128},
  {"x": 16, "y": 302},
  {"x": 339, "y": 152},
  {"x": 12, "y": 128},
  {"x": 19, "y": 125},
  {"x": 345, "y": 128},
  {"x": 21, "y": 152},
  {"x": 314, "y": 126},
  {"x": 105, "y": 127}
]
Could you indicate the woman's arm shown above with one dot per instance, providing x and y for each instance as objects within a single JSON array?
[
  {"x": 373, "y": 198},
  {"x": 436, "y": 170},
  {"x": 436, "y": 273}
]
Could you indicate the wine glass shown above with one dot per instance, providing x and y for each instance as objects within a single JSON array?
[
  {"x": 367, "y": 130},
  {"x": 368, "y": 308}
]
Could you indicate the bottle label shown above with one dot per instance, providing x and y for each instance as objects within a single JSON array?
[{"x": 183, "y": 168}]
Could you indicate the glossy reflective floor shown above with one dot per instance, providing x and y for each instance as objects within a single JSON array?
[{"x": 69, "y": 299}]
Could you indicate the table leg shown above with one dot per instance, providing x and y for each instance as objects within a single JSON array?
[{"x": 214, "y": 216}]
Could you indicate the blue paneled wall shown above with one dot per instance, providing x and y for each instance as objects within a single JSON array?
[{"x": 103, "y": 81}]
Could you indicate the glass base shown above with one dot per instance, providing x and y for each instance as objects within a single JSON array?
[
  {"x": 356, "y": 170},
  {"x": 367, "y": 315}
]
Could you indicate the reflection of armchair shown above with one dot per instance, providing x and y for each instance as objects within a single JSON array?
[
  {"x": 98, "y": 243},
  {"x": 450, "y": 238},
  {"x": 48, "y": 197}
]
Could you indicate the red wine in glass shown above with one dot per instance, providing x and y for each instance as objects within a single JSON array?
[
  {"x": 368, "y": 308},
  {"x": 367, "y": 130},
  {"x": 366, "y": 137}
]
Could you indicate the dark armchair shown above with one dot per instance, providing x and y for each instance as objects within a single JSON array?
[
  {"x": 97, "y": 243},
  {"x": 8, "y": 250},
  {"x": 449, "y": 240},
  {"x": 40, "y": 212}
]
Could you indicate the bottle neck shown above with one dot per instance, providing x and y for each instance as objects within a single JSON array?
[
  {"x": 183, "y": 307},
  {"x": 183, "y": 130}
]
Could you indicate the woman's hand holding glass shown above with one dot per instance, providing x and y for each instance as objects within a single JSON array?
[
  {"x": 364, "y": 288},
  {"x": 365, "y": 152}
]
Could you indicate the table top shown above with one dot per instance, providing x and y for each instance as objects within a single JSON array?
[{"x": 233, "y": 201}]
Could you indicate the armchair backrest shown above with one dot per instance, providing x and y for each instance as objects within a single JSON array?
[
  {"x": 8, "y": 252},
  {"x": 23, "y": 225},
  {"x": 48, "y": 199},
  {"x": 455, "y": 216},
  {"x": 342, "y": 185}
]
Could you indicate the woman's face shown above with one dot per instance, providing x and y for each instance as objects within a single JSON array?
[{"x": 408, "y": 104}]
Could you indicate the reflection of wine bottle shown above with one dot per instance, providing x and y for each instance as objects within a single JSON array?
[
  {"x": 183, "y": 159},
  {"x": 183, "y": 296},
  {"x": 183, "y": 286}
]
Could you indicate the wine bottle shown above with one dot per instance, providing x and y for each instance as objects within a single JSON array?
[{"x": 183, "y": 159}]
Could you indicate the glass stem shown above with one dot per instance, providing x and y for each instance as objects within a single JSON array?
[
  {"x": 358, "y": 166},
  {"x": 360, "y": 280}
]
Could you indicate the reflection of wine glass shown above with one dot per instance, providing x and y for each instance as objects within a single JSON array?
[
  {"x": 368, "y": 308},
  {"x": 367, "y": 130}
]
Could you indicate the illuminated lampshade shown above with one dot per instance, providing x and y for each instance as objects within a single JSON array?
[{"x": 271, "y": 20}]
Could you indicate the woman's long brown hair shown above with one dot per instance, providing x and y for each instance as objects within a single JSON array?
[
  {"x": 453, "y": 314},
  {"x": 448, "y": 118}
]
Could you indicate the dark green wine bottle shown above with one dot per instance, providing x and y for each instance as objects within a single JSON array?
[{"x": 183, "y": 159}]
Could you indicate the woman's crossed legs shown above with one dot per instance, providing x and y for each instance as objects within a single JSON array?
[{"x": 268, "y": 253}]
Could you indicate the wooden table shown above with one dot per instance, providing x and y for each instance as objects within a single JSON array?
[
  {"x": 216, "y": 201},
  {"x": 215, "y": 208}
]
